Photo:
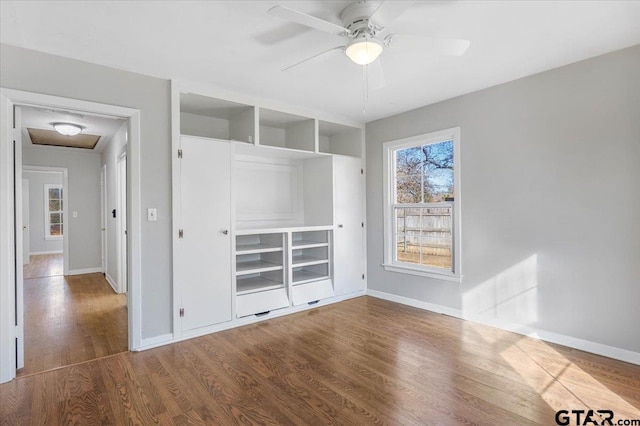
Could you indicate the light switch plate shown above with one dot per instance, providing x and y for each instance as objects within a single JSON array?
[
  {"x": 75, "y": 214},
  {"x": 152, "y": 215}
]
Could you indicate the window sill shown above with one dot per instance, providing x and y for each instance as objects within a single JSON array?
[{"x": 444, "y": 276}]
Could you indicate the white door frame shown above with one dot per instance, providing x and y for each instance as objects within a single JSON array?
[
  {"x": 11, "y": 217},
  {"x": 121, "y": 220},
  {"x": 26, "y": 246},
  {"x": 103, "y": 217}
]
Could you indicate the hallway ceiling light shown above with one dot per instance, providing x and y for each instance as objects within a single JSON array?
[{"x": 67, "y": 129}]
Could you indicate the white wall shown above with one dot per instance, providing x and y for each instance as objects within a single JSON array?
[
  {"x": 58, "y": 76},
  {"x": 83, "y": 197},
  {"x": 109, "y": 158},
  {"x": 37, "y": 181},
  {"x": 550, "y": 201}
]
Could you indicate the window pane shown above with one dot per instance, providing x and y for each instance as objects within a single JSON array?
[
  {"x": 55, "y": 193},
  {"x": 56, "y": 230},
  {"x": 55, "y": 218},
  {"x": 409, "y": 190},
  {"x": 438, "y": 171},
  {"x": 55, "y": 205},
  {"x": 409, "y": 161},
  {"x": 401, "y": 220},
  {"x": 436, "y": 237}
]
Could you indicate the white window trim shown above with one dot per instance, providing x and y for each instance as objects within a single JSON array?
[
  {"x": 47, "y": 225},
  {"x": 388, "y": 167}
]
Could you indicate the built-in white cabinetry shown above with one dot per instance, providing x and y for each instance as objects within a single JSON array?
[
  {"x": 267, "y": 210},
  {"x": 202, "y": 244},
  {"x": 349, "y": 221}
]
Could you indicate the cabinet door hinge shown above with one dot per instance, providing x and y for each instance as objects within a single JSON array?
[
  {"x": 180, "y": 233},
  {"x": 181, "y": 312},
  {"x": 363, "y": 276},
  {"x": 363, "y": 224},
  {"x": 179, "y": 153},
  {"x": 361, "y": 171}
]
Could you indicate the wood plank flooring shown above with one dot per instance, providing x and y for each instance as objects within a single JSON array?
[
  {"x": 71, "y": 319},
  {"x": 362, "y": 361},
  {"x": 44, "y": 265}
]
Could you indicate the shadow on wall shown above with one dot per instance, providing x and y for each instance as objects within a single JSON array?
[{"x": 511, "y": 295}]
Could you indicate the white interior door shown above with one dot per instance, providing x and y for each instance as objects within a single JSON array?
[
  {"x": 121, "y": 220},
  {"x": 348, "y": 235},
  {"x": 203, "y": 258},
  {"x": 25, "y": 222}
]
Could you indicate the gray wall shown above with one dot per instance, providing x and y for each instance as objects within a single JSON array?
[
  {"x": 550, "y": 201},
  {"x": 109, "y": 158},
  {"x": 83, "y": 197},
  {"x": 33, "y": 71},
  {"x": 37, "y": 181}
]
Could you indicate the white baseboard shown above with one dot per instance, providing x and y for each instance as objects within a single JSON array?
[
  {"x": 84, "y": 271},
  {"x": 35, "y": 253},
  {"x": 165, "y": 339},
  {"x": 547, "y": 336},
  {"x": 111, "y": 282},
  {"x": 154, "y": 342}
]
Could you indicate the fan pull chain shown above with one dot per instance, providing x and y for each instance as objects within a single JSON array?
[{"x": 365, "y": 89}]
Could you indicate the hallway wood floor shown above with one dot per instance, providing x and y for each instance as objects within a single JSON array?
[
  {"x": 70, "y": 319},
  {"x": 362, "y": 361},
  {"x": 44, "y": 265}
]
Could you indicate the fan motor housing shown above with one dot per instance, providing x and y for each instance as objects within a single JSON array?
[{"x": 355, "y": 18}]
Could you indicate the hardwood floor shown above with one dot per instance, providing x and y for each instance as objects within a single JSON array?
[
  {"x": 71, "y": 319},
  {"x": 362, "y": 361},
  {"x": 44, "y": 265}
]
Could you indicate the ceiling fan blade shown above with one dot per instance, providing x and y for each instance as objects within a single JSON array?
[
  {"x": 307, "y": 20},
  {"x": 428, "y": 45},
  {"x": 389, "y": 11},
  {"x": 375, "y": 75},
  {"x": 323, "y": 55}
]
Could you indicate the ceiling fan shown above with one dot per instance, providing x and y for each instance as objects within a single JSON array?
[{"x": 364, "y": 25}]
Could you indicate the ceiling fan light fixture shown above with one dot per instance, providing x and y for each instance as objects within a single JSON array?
[
  {"x": 67, "y": 129},
  {"x": 364, "y": 51}
]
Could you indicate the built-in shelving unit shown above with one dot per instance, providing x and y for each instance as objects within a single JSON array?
[{"x": 278, "y": 177}]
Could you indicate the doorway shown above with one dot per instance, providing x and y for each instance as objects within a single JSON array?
[{"x": 12, "y": 231}]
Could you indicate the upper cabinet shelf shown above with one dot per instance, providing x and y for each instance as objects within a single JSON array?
[
  {"x": 285, "y": 134},
  {"x": 283, "y": 130},
  {"x": 339, "y": 139},
  {"x": 216, "y": 118}
]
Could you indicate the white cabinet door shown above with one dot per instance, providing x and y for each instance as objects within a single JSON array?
[
  {"x": 203, "y": 260},
  {"x": 348, "y": 235}
]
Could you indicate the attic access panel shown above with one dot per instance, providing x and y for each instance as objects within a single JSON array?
[{"x": 53, "y": 138}]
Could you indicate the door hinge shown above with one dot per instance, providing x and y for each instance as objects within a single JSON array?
[
  {"x": 361, "y": 171},
  {"x": 363, "y": 224},
  {"x": 179, "y": 153},
  {"x": 180, "y": 233},
  {"x": 181, "y": 312},
  {"x": 363, "y": 276}
]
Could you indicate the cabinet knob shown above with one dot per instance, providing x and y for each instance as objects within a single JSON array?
[
  {"x": 225, "y": 232},
  {"x": 340, "y": 226}
]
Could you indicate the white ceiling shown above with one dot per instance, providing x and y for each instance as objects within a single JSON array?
[
  {"x": 42, "y": 118},
  {"x": 237, "y": 46}
]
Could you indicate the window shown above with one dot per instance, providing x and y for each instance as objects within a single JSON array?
[
  {"x": 53, "y": 220},
  {"x": 422, "y": 205}
]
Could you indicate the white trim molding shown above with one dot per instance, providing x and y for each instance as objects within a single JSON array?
[
  {"x": 36, "y": 253},
  {"x": 85, "y": 271},
  {"x": 546, "y": 336}
]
